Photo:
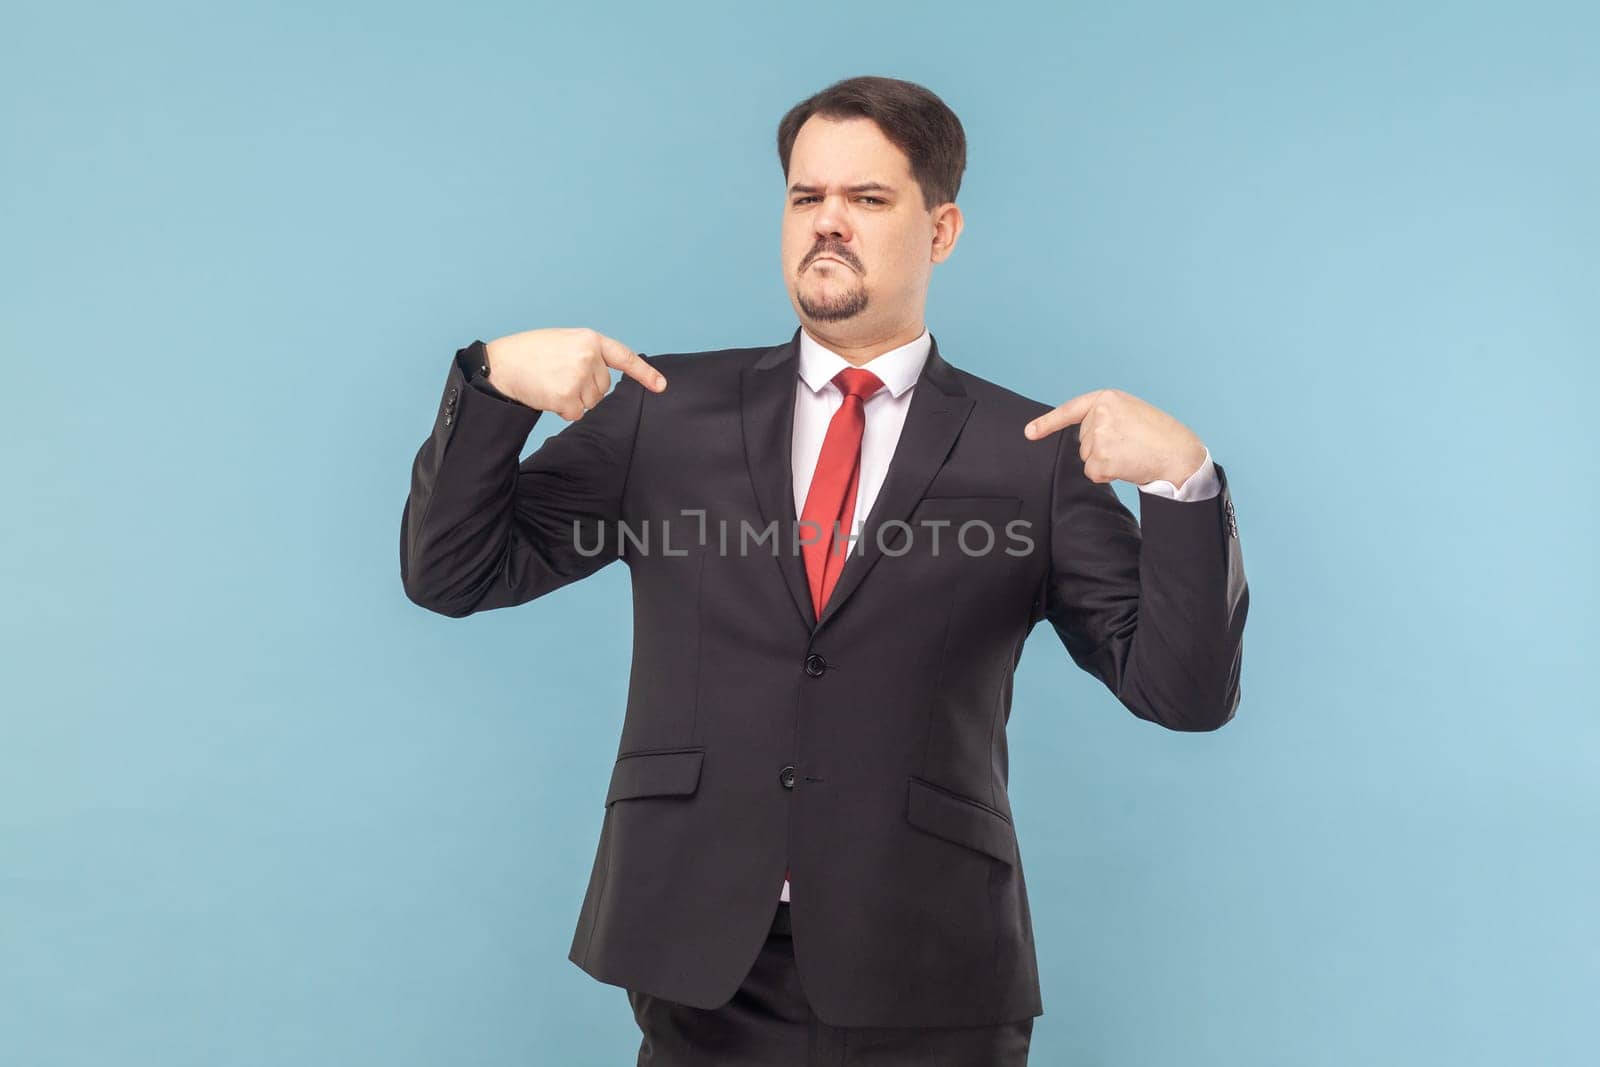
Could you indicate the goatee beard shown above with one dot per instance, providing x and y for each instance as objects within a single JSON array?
[{"x": 837, "y": 309}]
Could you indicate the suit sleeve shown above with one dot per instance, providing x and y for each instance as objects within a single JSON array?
[
  {"x": 1155, "y": 610},
  {"x": 479, "y": 529}
]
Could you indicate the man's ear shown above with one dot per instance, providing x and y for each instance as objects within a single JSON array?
[{"x": 947, "y": 223}]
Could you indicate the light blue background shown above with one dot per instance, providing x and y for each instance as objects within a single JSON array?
[{"x": 256, "y": 808}]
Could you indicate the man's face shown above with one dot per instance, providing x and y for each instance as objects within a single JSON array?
[{"x": 858, "y": 246}]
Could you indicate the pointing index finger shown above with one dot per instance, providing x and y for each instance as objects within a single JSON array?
[
  {"x": 1065, "y": 415},
  {"x": 618, "y": 355}
]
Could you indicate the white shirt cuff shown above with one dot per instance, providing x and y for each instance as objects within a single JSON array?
[{"x": 1201, "y": 485}]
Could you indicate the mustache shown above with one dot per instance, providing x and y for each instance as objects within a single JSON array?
[{"x": 837, "y": 253}]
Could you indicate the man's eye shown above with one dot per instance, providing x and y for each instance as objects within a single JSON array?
[{"x": 874, "y": 199}]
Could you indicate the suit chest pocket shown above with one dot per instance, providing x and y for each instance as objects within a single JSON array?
[{"x": 954, "y": 527}]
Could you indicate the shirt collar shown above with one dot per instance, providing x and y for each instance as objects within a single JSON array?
[{"x": 897, "y": 368}]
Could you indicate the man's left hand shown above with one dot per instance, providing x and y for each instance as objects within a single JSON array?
[{"x": 1121, "y": 436}]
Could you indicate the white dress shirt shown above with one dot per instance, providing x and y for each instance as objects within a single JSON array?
[{"x": 817, "y": 398}]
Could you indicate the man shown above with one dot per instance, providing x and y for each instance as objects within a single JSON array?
[{"x": 824, "y": 703}]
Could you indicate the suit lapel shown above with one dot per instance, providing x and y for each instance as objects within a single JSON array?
[
  {"x": 938, "y": 410},
  {"x": 766, "y": 406}
]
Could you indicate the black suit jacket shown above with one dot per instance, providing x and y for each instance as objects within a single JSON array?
[{"x": 865, "y": 752}]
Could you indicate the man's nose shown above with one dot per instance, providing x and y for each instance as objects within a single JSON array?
[{"x": 830, "y": 220}]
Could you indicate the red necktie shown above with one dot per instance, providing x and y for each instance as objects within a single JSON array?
[
  {"x": 832, "y": 496},
  {"x": 834, "y": 483}
]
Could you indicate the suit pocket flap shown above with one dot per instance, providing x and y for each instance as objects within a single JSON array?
[
  {"x": 960, "y": 819},
  {"x": 663, "y": 772}
]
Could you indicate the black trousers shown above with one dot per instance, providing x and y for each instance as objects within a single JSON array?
[{"x": 768, "y": 1023}]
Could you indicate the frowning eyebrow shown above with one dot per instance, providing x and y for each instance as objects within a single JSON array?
[{"x": 863, "y": 187}]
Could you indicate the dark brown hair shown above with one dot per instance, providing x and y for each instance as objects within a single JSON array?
[{"x": 911, "y": 117}]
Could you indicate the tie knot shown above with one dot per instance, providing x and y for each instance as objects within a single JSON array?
[{"x": 855, "y": 381}]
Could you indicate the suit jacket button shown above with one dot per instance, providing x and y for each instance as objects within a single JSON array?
[
  {"x": 815, "y": 665},
  {"x": 786, "y": 776}
]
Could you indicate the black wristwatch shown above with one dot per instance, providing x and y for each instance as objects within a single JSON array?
[
  {"x": 480, "y": 352},
  {"x": 474, "y": 361}
]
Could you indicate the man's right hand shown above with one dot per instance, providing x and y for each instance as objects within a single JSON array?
[{"x": 563, "y": 370}]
